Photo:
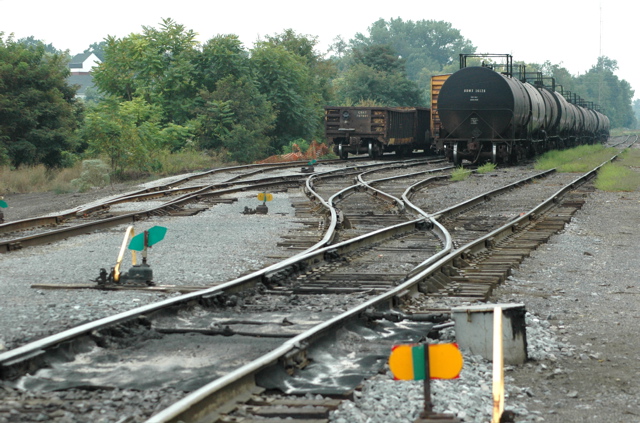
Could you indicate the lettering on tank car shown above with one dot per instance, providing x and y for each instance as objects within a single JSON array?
[
  {"x": 362, "y": 113},
  {"x": 475, "y": 90}
]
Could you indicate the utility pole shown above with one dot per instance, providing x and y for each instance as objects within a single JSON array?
[{"x": 601, "y": 61}]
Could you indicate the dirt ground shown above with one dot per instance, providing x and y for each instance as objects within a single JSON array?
[
  {"x": 585, "y": 283},
  {"x": 24, "y": 206}
]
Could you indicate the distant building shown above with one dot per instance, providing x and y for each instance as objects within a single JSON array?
[{"x": 80, "y": 67}]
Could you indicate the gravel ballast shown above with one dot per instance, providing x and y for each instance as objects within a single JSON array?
[
  {"x": 214, "y": 246},
  {"x": 580, "y": 290}
]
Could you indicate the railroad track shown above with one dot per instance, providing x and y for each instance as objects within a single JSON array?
[
  {"x": 462, "y": 285},
  {"x": 315, "y": 273},
  {"x": 181, "y": 197},
  {"x": 362, "y": 208}
]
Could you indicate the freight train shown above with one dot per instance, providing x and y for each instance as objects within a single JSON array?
[
  {"x": 478, "y": 114},
  {"x": 490, "y": 115}
]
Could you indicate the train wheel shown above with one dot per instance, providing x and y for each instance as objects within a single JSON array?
[
  {"x": 342, "y": 153},
  {"x": 455, "y": 157},
  {"x": 373, "y": 150}
]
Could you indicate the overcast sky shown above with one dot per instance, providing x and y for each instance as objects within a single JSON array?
[{"x": 571, "y": 33}]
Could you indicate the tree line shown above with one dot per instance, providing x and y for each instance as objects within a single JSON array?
[{"x": 161, "y": 91}]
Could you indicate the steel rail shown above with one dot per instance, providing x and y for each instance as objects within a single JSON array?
[
  {"x": 439, "y": 229},
  {"x": 489, "y": 240},
  {"x": 381, "y": 194},
  {"x": 329, "y": 205},
  {"x": 192, "y": 194},
  {"x": 31, "y": 350},
  {"x": 483, "y": 198}
]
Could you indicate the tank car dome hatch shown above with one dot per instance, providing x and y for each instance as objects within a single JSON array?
[{"x": 478, "y": 102}]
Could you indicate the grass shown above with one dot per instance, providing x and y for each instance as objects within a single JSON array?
[
  {"x": 578, "y": 159},
  {"x": 621, "y": 175},
  {"x": 82, "y": 177},
  {"x": 460, "y": 174},
  {"x": 624, "y": 131},
  {"x": 37, "y": 179},
  {"x": 486, "y": 168},
  {"x": 188, "y": 161}
]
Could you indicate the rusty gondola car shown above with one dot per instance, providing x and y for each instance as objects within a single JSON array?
[{"x": 376, "y": 130}]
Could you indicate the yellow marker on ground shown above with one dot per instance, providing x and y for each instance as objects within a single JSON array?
[{"x": 407, "y": 361}]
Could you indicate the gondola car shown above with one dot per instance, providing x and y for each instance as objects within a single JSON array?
[{"x": 377, "y": 130}]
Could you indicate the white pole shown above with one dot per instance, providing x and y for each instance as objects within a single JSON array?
[
  {"x": 116, "y": 270},
  {"x": 498, "y": 368}
]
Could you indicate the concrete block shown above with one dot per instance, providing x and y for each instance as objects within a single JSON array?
[{"x": 474, "y": 330}]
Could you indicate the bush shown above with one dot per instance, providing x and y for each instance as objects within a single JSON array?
[
  {"x": 95, "y": 173},
  {"x": 303, "y": 145}
]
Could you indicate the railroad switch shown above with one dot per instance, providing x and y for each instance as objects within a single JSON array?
[
  {"x": 138, "y": 274},
  {"x": 261, "y": 209},
  {"x": 309, "y": 168}
]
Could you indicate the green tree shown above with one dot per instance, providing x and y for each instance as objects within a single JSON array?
[
  {"x": 422, "y": 48},
  {"x": 381, "y": 58},
  {"x": 231, "y": 113},
  {"x": 424, "y": 44},
  {"x": 286, "y": 81},
  {"x": 636, "y": 111},
  {"x": 236, "y": 117},
  {"x": 38, "y": 112},
  {"x": 364, "y": 84},
  {"x": 321, "y": 70},
  {"x": 561, "y": 75},
  {"x": 118, "y": 72},
  {"x": 165, "y": 68},
  {"x": 157, "y": 65},
  {"x": 221, "y": 56},
  {"x": 377, "y": 75},
  {"x": 97, "y": 49},
  {"x": 31, "y": 41},
  {"x": 127, "y": 132},
  {"x": 600, "y": 85},
  {"x": 313, "y": 88}
]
